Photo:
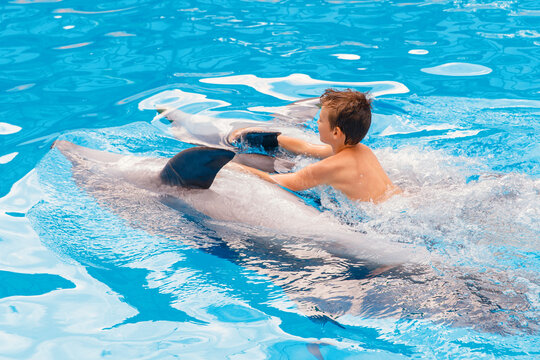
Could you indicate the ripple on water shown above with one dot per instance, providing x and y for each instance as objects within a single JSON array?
[
  {"x": 119, "y": 34},
  {"x": 347, "y": 56},
  {"x": 299, "y": 86},
  {"x": 21, "y": 87},
  {"x": 34, "y": 1},
  {"x": 418, "y": 52},
  {"x": 74, "y": 11},
  {"x": 86, "y": 83},
  {"x": 7, "y": 129},
  {"x": 457, "y": 69},
  {"x": 7, "y": 158},
  {"x": 73, "y": 46},
  {"x": 16, "y": 55}
]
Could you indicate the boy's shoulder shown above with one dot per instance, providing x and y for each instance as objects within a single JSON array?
[
  {"x": 355, "y": 152},
  {"x": 349, "y": 158},
  {"x": 335, "y": 165}
]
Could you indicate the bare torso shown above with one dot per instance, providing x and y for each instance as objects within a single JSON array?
[
  {"x": 357, "y": 173},
  {"x": 352, "y": 169}
]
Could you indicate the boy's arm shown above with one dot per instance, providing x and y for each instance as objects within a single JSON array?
[
  {"x": 308, "y": 177},
  {"x": 294, "y": 145},
  {"x": 299, "y": 146},
  {"x": 248, "y": 169}
]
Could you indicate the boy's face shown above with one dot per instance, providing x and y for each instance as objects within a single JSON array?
[{"x": 325, "y": 132}]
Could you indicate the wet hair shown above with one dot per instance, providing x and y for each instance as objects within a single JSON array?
[{"x": 351, "y": 113}]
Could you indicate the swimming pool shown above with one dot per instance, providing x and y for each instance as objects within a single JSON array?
[{"x": 113, "y": 271}]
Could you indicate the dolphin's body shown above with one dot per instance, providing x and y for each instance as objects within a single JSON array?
[
  {"x": 325, "y": 267},
  {"x": 233, "y": 197}
]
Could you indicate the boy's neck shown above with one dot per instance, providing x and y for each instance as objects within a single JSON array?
[{"x": 336, "y": 148}]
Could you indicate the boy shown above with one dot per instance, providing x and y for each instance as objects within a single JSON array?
[{"x": 346, "y": 164}]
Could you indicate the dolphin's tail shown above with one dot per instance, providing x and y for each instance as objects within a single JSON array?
[{"x": 195, "y": 168}]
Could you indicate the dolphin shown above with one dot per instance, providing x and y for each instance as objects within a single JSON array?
[
  {"x": 209, "y": 128},
  {"x": 328, "y": 269},
  {"x": 202, "y": 179}
]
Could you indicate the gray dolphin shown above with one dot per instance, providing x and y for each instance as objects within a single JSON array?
[
  {"x": 329, "y": 270},
  {"x": 233, "y": 195},
  {"x": 205, "y": 128}
]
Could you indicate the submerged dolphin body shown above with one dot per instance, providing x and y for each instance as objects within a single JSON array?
[
  {"x": 204, "y": 129},
  {"x": 327, "y": 269}
]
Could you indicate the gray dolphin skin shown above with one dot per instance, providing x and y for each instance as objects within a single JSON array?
[{"x": 328, "y": 270}]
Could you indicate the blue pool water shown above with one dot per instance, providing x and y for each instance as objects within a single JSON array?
[{"x": 92, "y": 266}]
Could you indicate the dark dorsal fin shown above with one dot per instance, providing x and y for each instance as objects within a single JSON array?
[{"x": 195, "y": 168}]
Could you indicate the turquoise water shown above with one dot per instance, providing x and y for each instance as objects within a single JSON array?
[{"x": 94, "y": 267}]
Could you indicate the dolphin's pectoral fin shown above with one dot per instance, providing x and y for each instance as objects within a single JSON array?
[
  {"x": 266, "y": 163},
  {"x": 195, "y": 168},
  {"x": 256, "y": 137},
  {"x": 267, "y": 140}
]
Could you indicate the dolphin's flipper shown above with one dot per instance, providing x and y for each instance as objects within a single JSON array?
[
  {"x": 195, "y": 168},
  {"x": 256, "y": 137},
  {"x": 265, "y": 163}
]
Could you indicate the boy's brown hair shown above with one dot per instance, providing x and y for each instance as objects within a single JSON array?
[{"x": 351, "y": 113}]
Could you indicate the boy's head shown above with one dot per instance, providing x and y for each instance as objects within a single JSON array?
[{"x": 350, "y": 111}]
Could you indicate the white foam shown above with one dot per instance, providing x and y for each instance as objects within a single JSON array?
[
  {"x": 300, "y": 83},
  {"x": 458, "y": 69},
  {"x": 459, "y": 134},
  {"x": 441, "y": 205},
  {"x": 13, "y": 344}
]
